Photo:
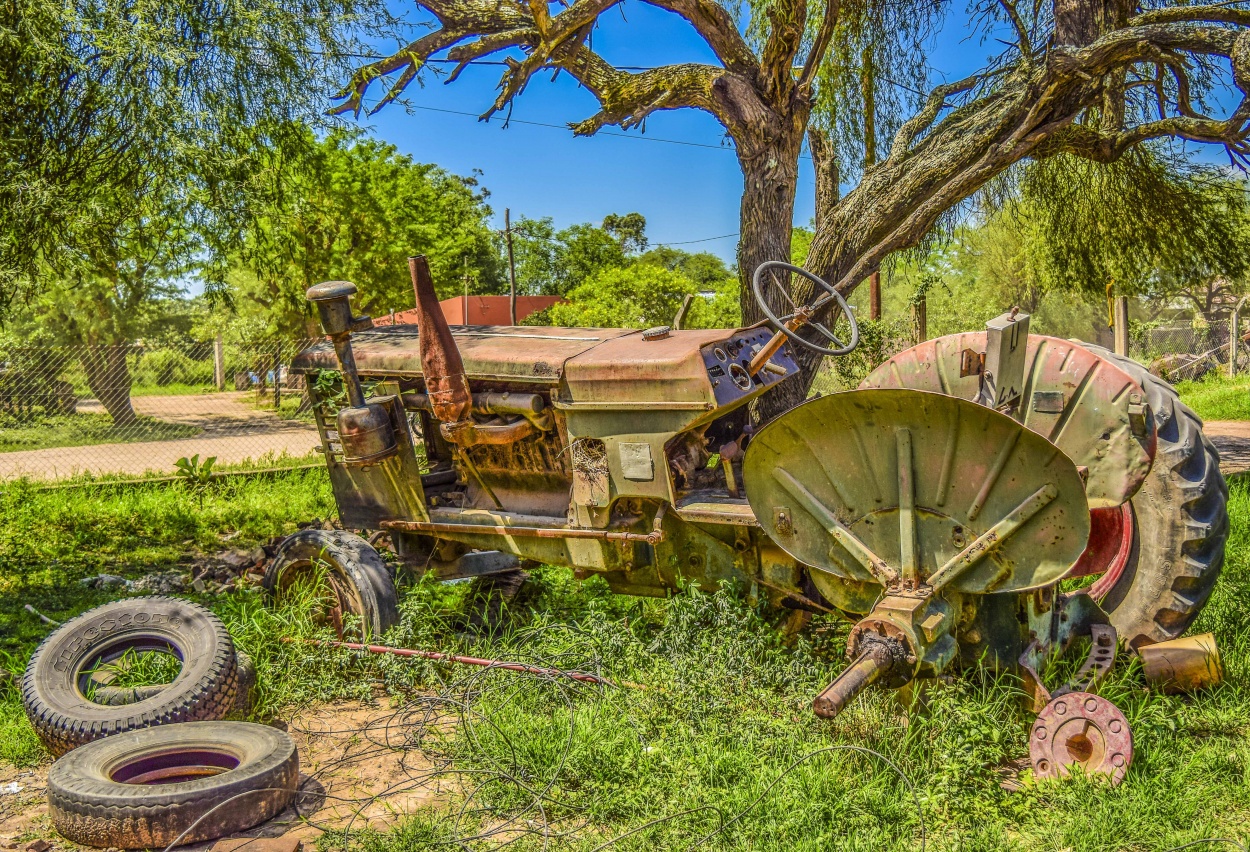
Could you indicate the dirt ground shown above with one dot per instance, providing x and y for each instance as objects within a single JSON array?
[
  {"x": 231, "y": 429},
  {"x": 1232, "y": 439},
  {"x": 354, "y": 772}
]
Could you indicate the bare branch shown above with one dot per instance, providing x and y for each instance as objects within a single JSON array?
[
  {"x": 1022, "y": 32},
  {"x": 820, "y": 45},
  {"x": 458, "y": 19}
]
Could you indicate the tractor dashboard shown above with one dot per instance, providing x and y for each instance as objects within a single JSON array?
[{"x": 727, "y": 364}]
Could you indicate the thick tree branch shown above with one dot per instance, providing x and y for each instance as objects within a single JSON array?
[
  {"x": 1205, "y": 13},
  {"x": 714, "y": 23},
  {"x": 788, "y": 18},
  {"x": 627, "y": 99},
  {"x": 918, "y": 123}
]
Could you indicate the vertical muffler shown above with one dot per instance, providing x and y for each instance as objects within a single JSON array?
[{"x": 365, "y": 430}]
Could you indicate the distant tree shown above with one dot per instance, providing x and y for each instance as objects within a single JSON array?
[
  {"x": 551, "y": 262},
  {"x": 355, "y": 210},
  {"x": 118, "y": 292},
  {"x": 629, "y": 229},
  {"x": 103, "y": 104},
  {"x": 644, "y": 295},
  {"x": 703, "y": 268}
]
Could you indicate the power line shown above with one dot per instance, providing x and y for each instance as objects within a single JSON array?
[
  {"x": 704, "y": 240},
  {"x": 566, "y": 127}
]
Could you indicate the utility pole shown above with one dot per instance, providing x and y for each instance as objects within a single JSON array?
[
  {"x": 867, "y": 87},
  {"x": 464, "y": 303},
  {"x": 507, "y": 230}
]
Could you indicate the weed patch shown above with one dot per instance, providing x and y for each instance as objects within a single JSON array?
[{"x": 1217, "y": 396}]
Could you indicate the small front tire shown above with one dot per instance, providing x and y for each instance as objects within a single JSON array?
[{"x": 350, "y": 576}]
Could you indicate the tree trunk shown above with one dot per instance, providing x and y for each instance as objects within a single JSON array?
[
  {"x": 770, "y": 178},
  {"x": 108, "y": 376}
]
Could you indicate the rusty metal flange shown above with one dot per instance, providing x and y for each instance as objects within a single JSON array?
[{"x": 1081, "y": 730}]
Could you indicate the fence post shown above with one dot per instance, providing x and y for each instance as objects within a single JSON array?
[
  {"x": 1234, "y": 335},
  {"x": 219, "y": 364},
  {"x": 277, "y": 382},
  {"x": 1121, "y": 326}
]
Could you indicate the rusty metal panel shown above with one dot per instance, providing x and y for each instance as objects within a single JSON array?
[
  {"x": 499, "y": 353},
  {"x": 1085, "y": 405},
  {"x": 629, "y": 369},
  {"x": 906, "y": 488}
]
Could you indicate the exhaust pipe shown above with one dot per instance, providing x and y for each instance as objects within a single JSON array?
[{"x": 365, "y": 430}]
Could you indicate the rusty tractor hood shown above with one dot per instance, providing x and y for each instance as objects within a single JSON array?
[
  {"x": 534, "y": 354},
  {"x": 590, "y": 366}
]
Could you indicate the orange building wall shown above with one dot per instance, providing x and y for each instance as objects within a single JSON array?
[{"x": 483, "y": 310}]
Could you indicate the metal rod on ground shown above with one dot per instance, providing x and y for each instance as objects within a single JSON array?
[
  {"x": 583, "y": 677},
  {"x": 41, "y": 616},
  {"x": 507, "y": 229}
]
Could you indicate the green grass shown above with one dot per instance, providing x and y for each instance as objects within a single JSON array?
[
  {"x": 81, "y": 430},
  {"x": 719, "y": 750},
  {"x": 1217, "y": 396}
]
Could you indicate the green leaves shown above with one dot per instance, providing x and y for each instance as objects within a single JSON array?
[
  {"x": 196, "y": 475},
  {"x": 105, "y": 104},
  {"x": 356, "y": 210}
]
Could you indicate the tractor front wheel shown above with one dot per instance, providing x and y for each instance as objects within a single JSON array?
[{"x": 340, "y": 577}]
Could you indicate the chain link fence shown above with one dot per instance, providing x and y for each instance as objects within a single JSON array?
[
  {"x": 135, "y": 410},
  {"x": 1186, "y": 351}
]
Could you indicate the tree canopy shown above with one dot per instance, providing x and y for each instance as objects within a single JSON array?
[
  {"x": 356, "y": 209},
  {"x": 101, "y": 103},
  {"x": 1090, "y": 79}
]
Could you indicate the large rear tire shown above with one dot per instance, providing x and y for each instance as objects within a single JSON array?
[{"x": 1180, "y": 523}]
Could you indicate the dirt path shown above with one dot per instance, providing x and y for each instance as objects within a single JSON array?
[
  {"x": 354, "y": 773},
  {"x": 1232, "y": 439},
  {"x": 230, "y": 429}
]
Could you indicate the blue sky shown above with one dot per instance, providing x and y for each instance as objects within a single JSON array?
[{"x": 687, "y": 192}]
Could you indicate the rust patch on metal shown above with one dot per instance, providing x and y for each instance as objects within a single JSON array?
[
  {"x": 1080, "y": 730},
  {"x": 441, "y": 365}
]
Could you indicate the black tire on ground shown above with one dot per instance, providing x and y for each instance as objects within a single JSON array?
[
  {"x": 54, "y": 688},
  {"x": 116, "y": 696},
  {"x": 144, "y": 789},
  {"x": 354, "y": 578},
  {"x": 1181, "y": 522}
]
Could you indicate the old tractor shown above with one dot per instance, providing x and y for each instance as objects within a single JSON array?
[{"x": 983, "y": 498}]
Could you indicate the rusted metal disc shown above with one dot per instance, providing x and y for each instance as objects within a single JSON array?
[{"x": 1080, "y": 729}]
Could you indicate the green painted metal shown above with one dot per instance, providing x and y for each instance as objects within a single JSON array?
[
  {"x": 1084, "y": 404},
  {"x": 905, "y": 489}
]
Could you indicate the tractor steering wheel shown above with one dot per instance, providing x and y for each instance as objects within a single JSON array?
[{"x": 800, "y": 316}]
